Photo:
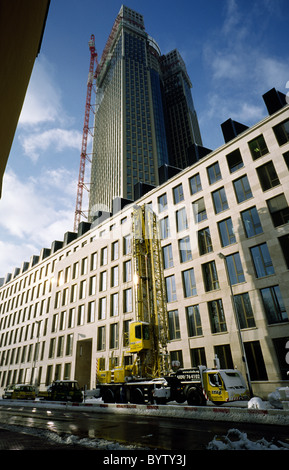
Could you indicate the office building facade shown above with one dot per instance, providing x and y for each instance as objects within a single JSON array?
[
  {"x": 130, "y": 131},
  {"x": 224, "y": 224}
]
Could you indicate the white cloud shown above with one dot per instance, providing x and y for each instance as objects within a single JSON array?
[
  {"x": 12, "y": 256},
  {"x": 43, "y": 123},
  {"x": 272, "y": 72},
  {"x": 240, "y": 67},
  {"x": 31, "y": 215},
  {"x": 56, "y": 139},
  {"x": 43, "y": 99}
]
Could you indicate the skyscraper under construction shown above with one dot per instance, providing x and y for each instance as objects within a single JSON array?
[{"x": 142, "y": 99}]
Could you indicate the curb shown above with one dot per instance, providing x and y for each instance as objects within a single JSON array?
[{"x": 206, "y": 413}]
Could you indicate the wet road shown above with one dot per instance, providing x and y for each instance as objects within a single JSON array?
[{"x": 145, "y": 431}]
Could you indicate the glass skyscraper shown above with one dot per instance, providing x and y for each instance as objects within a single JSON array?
[{"x": 132, "y": 138}]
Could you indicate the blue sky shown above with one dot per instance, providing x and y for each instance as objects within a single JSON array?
[{"x": 234, "y": 50}]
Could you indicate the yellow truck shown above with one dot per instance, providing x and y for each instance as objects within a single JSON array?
[
  {"x": 144, "y": 375},
  {"x": 197, "y": 385}
]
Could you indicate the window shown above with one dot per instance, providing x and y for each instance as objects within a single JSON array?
[
  {"x": 185, "y": 249},
  {"x": 168, "y": 256},
  {"x": 282, "y": 132},
  {"x": 93, "y": 261},
  {"x": 62, "y": 320},
  {"x": 80, "y": 317},
  {"x": 210, "y": 276},
  {"x": 255, "y": 361},
  {"x": 286, "y": 158},
  {"x": 198, "y": 356},
  {"x": 251, "y": 222},
  {"x": 234, "y": 160},
  {"x": 284, "y": 243},
  {"x": 51, "y": 348},
  {"x": 113, "y": 337},
  {"x": 268, "y": 176},
  {"x": 224, "y": 354},
  {"x": 235, "y": 270},
  {"x": 115, "y": 250},
  {"x": 127, "y": 301},
  {"x": 214, "y": 173},
  {"x": 205, "y": 241},
  {"x": 91, "y": 311},
  {"x": 273, "y": 305},
  {"x": 103, "y": 257},
  {"x": 101, "y": 338},
  {"x": 82, "y": 289},
  {"x": 67, "y": 274},
  {"x": 226, "y": 232},
  {"x": 244, "y": 310},
  {"x": 71, "y": 318},
  {"x": 174, "y": 324},
  {"x": 162, "y": 202},
  {"x": 194, "y": 321},
  {"x": 69, "y": 345},
  {"x": 262, "y": 260},
  {"x": 178, "y": 193},
  {"x": 220, "y": 200},
  {"x": 102, "y": 308},
  {"x": 199, "y": 210},
  {"x": 171, "y": 288},
  {"x": 54, "y": 325},
  {"x": 164, "y": 228},
  {"x": 126, "y": 333},
  {"x": 84, "y": 266},
  {"x": 242, "y": 189},
  {"x": 114, "y": 305},
  {"x": 127, "y": 244},
  {"x": 127, "y": 271},
  {"x": 60, "y": 346},
  {"x": 114, "y": 276},
  {"x": 181, "y": 218},
  {"x": 176, "y": 357},
  {"x": 103, "y": 281},
  {"x": 92, "y": 285},
  {"x": 195, "y": 183},
  {"x": 189, "y": 283},
  {"x": 217, "y": 316},
  {"x": 75, "y": 270},
  {"x": 73, "y": 293},
  {"x": 279, "y": 210},
  {"x": 280, "y": 345},
  {"x": 258, "y": 147}
]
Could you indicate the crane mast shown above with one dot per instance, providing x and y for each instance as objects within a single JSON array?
[
  {"x": 149, "y": 333},
  {"x": 83, "y": 155}
]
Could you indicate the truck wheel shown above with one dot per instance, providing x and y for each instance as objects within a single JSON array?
[
  {"x": 108, "y": 396},
  {"x": 137, "y": 396},
  {"x": 195, "y": 397},
  {"x": 180, "y": 398}
]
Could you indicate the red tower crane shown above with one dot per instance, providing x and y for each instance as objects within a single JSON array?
[{"x": 83, "y": 156}]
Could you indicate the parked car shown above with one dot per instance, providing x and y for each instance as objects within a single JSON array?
[{"x": 20, "y": 392}]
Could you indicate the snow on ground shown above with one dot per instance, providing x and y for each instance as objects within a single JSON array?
[
  {"x": 237, "y": 440},
  {"x": 233, "y": 440},
  {"x": 69, "y": 439}
]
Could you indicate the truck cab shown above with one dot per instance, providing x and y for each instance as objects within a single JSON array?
[{"x": 224, "y": 385}]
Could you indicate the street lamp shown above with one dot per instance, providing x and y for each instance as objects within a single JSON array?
[
  {"x": 244, "y": 357},
  {"x": 36, "y": 352}
]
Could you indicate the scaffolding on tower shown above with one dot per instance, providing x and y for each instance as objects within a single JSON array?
[{"x": 83, "y": 156}]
